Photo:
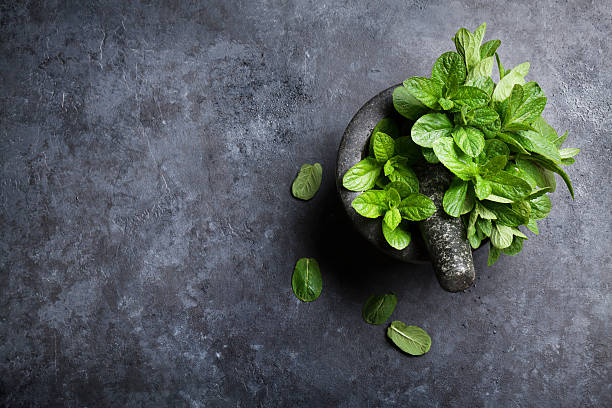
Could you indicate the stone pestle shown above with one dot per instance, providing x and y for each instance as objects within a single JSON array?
[{"x": 445, "y": 236}]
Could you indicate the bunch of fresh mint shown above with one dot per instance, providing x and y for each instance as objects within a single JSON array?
[{"x": 491, "y": 136}]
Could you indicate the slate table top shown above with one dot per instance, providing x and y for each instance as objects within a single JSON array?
[{"x": 148, "y": 233}]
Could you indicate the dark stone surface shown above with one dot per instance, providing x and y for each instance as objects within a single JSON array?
[{"x": 148, "y": 233}]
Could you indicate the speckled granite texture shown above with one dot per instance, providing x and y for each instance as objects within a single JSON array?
[{"x": 148, "y": 234}]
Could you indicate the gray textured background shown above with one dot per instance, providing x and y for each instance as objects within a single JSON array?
[{"x": 148, "y": 236}]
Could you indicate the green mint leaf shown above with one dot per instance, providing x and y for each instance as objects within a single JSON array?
[
  {"x": 468, "y": 96},
  {"x": 515, "y": 171},
  {"x": 371, "y": 204},
  {"x": 495, "y": 148},
  {"x": 535, "y": 142},
  {"x": 505, "y": 85},
  {"x": 509, "y": 215},
  {"x": 511, "y": 141},
  {"x": 468, "y": 46},
  {"x": 482, "y": 188},
  {"x": 381, "y": 181},
  {"x": 392, "y": 218},
  {"x": 430, "y": 127},
  {"x": 484, "y": 212},
  {"x": 568, "y": 152},
  {"x": 425, "y": 90},
  {"x": 492, "y": 166},
  {"x": 518, "y": 233},
  {"x": 484, "y": 69},
  {"x": 416, "y": 207},
  {"x": 533, "y": 226},
  {"x": 544, "y": 129},
  {"x": 362, "y": 176},
  {"x": 399, "y": 238},
  {"x": 402, "y": 188},
  {"x": 469, "y": 139},
  {"x": 306, "y": 280},
  {"x": 560, "y": 140},
  {"x": 384, "y": 147},
  {"x": 485, "y": 226},
  {"x": 406, "y": 104},
  {"x": 446, "y": 104},
  {"x": 506, "y": 185},
  {"x": 479, "y": 33},
  {"x": 501, "y": 236},
  {"x": 484, "y": 83},
  {"x": 540, "y": 207},
  {"x": 471, "y": 226},
  {"x": 449, "y": 70},
  {"x": 406, "y": 148},
  {"x": 454, "y": 197},
  {"x": 500, "y": 67},
  {"x": 537, "y": 193},
  {"x": 453, "y": 160},
  {"x": 488, "y": 49},
  {"x": 307, "y": 182},
  {"x": 378, "y": 308},
  {"x": 494, "y": 254},
  {"x": 429, "y": 155},
  {"x": 482, "y": 116},
  {"x": 410, "y": 339},
  {"x": 393, "y": 197},
  {"x": 515, "y": 247},
  {"x": 387, "y": 126},
  {"x": 523, "y": 107},
  {"x": 549, "y": 165},
  {"x": 388, "y": 167},
  {"x": 401, "y": 172}
]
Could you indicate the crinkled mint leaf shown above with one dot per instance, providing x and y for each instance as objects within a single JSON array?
[
  {"x": 363, "y": 175},
  {"x": 371, "y": 204},
  {"x": 428, "y": 128},
  {"x": 307, "y": 182}
]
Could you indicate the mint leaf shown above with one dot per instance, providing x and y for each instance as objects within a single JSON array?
[
  {"x": 523, "y": 107},
  {"x": 392, "y": 218},
  {"x": 430, "y": 127},
  {"x": 492, "y": 166},
  {"x": 406, "y": 104},
  {"x": 468, "y": 96},
  {"x": 484, "y": 212},
  {"x": 568, "y": 152},
  {"x": 505, "y": 85},
  {"x": 393, "y": 197},
  {"x": 485, "y": 226},
  {"x": 401, "y": 172},
  {"x": 469, "y": 139},
  {"x": 449, "y": 70},
  {"x": 456, "y": 162},
  {"x": 501, "y": 236},
  {"x": 494, "y": 254},
  {"x": 488, "y": 49},
  {"x": 509, "y": 139},
  {"x": 402, "y": 188},
  {"x": 484, "y": 68},
  {"x": 508, "y": 215},
  {"x": 425, "y": 90},
  {"x": 306, "y": 280},
  {"x": 446, "y": 104},
  {"x": 429, "y": 155},
  {"x": 399, "y": 238},
  {"x": 515, "y": 247},
  {"x": 371, "y": 204},
  {"x": 416, "y": 207},
  {"x": 387, "y": 126},
  {"x": 307, "y": 182},
  {"x": 533, "y": 226},
  {"x": 482, "y": 116},
  {"x": 495, "y": 148},
  {"x": 554, "y": 167},
  {"x": 482, "y": 188},
  {"x": 484, "y": 83},
  {"x": 506, "y": 185},
  {"x": 362, "y": 176},
  {"x": 378, "y": 308},
  {"x": 384, "y": 147},
  {"x": 540, "y": 207},
  {"x": 468, "y": 46},
  {"x": 410, "y": 339},
  {"x": 454, "y": 197}
]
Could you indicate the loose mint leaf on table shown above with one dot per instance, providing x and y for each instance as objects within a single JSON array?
[
  {"x": 363, "y": 175},
  {"x": 410, "y": 339},
  {"x": 406, "y": 104},
  {"x": 399, "y": 238},
  {"x": 307, "y": 182},
  {"x": 371, "y": 204},
  {"x": 378, "y": 308},
  {"x": 384, "y": 147},
  {"x": 454, "y": 197},
  {"x": 469, "y": 139},
  {"x": 425, "y": 90},
  {"x": 431, "y": 127},
  {"x": 449, "y": 70},
  {"x": 458, "y": 163},
  {"x": 416, "y": 207},
  {"x": 306, "y": 280}
]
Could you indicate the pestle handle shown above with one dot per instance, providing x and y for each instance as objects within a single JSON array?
[{"x": 445, "y": 236}]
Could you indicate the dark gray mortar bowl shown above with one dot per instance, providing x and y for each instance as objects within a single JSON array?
[{"x": 440, "y": 239}]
